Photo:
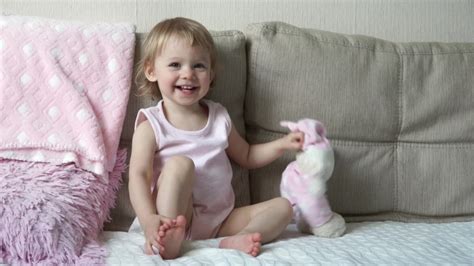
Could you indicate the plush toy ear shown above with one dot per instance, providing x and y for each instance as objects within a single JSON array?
[
  {"x": 291, "y": 125},
  {"x": 320, "y": 130},
  {"x": 313, "y": 129}
]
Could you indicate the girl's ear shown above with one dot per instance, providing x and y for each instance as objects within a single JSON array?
[
  {"x": 213, "y": 76},
  {"x": 150, "y": 72}
]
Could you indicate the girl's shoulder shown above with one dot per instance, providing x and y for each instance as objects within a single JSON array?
[
  {"x": 153, "y": 108},
  {"x": 218, "y": 112},
  {"x": 144, "y": 128},
  {"x": 148, "y": 113},
  {"x": 216, "y": 106}
]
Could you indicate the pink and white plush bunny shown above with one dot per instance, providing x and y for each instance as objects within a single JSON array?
[{"x": 304, "y": 181}]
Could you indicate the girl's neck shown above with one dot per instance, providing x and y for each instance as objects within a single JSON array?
[{"x": 189, "y": 118}]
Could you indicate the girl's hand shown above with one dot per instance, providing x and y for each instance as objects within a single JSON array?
[
  {"x": 293, "y": 141},
  {"x": 151, "y": 230}
]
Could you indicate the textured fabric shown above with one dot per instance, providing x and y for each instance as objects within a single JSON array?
[
  {"x": 367, "y": 243},
  {"x": 400, "y": 117},
  {"x": 64, "y": 90},
  {"x": 52, "y": 215},
  {"x": 228, "y": 89},
  {"x": 213, "y": 197}
]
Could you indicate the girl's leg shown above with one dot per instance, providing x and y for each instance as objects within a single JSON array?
[
  {"x": 175, "y": 187},
  {"x": 174, "y": 200},
  {"x": 259, "y": 223}
]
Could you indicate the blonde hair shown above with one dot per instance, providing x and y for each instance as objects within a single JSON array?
[{"x": 187, "y": 29}]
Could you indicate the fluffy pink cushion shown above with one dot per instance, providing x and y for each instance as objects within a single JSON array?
[{"x": 53, "y": 214}]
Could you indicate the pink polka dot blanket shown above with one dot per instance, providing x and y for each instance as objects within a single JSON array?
[{"x": 64, "y": 87}]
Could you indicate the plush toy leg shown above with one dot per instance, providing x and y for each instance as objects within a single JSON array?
[
  {"x": 335, "y": 227},
  {"x": 303, "y": 226}
]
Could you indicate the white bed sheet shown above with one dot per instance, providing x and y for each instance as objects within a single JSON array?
[{"x": 371, "y": 243}]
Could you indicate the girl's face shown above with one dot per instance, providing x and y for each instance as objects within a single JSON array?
[{"x": 183, "y": 72}]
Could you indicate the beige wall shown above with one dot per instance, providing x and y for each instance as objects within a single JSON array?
[{"x": 397, "y": 20}]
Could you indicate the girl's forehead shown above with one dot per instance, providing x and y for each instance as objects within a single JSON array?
[
  {"x": 181, "y": 45},
  {"x": 177, "y": 39}
]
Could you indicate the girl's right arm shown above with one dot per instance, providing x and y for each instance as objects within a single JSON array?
[
  {"x": 139, "y": 185},
  {"x": 141, "y": 171}
]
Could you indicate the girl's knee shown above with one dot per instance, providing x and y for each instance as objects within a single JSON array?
[
  {"x": 179, "y": 167},
  {"x": 284, "y": 205},
  {"x": 180, "y": 162}
]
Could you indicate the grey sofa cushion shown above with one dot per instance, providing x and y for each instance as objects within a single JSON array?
[
  {"x": 228, "y": 89},
  {"x": 400, "y": 117}
]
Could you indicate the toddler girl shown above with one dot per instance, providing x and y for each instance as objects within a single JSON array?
[{"x": 180, "y": 174}]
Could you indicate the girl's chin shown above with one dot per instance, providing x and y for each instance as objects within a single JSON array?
[{"x": 186, "y": 100}]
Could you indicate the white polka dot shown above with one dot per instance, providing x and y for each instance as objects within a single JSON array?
[
  {"x": 112, "y": 65},
  {"x": 107, "y": 95},
  {"x": 53, "y": 139},
  {"x": 28, "y": 49},
  {"x": 25, "y": 79},
  {"x": 22, "y": 137},
  {"x": 83, "y": 115},
  {"x": 83, "y": 59},
  {"x": 54, "y": 112},
  {"x": 24, "y": 109},
  {"x": 54, "y": 82}
]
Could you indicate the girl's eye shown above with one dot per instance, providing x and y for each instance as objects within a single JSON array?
[
  {"x": 174, "y": 65},
  {"x": 200, "y": 65}
]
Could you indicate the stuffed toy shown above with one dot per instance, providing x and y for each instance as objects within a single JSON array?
[{"x": 304, "y": 182}]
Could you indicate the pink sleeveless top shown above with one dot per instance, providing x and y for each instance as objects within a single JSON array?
[{"x": 213, "y": 196}]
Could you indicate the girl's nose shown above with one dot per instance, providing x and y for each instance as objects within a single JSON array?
[{"x": 187, "y": 73}]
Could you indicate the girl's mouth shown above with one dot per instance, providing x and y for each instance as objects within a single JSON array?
[{"x": 186, "y": 88}]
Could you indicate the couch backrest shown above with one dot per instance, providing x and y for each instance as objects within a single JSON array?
[{"x": 400, "y": 117}]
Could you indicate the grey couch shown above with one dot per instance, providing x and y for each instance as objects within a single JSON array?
[{"x": 400, "y": 117}]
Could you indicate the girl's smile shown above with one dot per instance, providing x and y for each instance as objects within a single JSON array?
[{"x": 186, "y": 89}]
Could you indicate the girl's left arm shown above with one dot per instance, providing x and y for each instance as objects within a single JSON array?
[{"x": 258, "y": 155}]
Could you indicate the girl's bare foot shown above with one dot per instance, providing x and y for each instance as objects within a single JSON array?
[
  {"x": 170, "y": 237},
  {"x": 248, "y": 243}
]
